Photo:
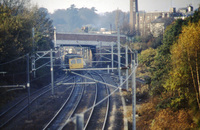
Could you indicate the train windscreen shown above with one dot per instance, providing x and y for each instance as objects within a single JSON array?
[
  {"x": 73, "y": 61},
  {"x": 78, "y": 61}
]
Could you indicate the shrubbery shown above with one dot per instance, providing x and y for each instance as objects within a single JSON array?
[{"x": 173, "y": 69}]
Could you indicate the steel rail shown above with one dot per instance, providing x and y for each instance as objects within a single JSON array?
[
  {"x": 75, "y": 107},
  {"x": 105, "y": 115},
  {"x": 62, "y": 108},
  {"x": 108, "y": 103},
  {"x": 57, "y": 113},
  {"x": 92, "y": 110},
  {"x": 80, "y": 97},
  {"x": 23, "y": 108},
  {"x": 21, "y": 100}
]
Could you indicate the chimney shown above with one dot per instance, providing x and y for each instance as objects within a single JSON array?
[
  {"x": 163, "y": 15},
  {"x": 190, "y": 8},
  {"x": 133, "y": 12}
]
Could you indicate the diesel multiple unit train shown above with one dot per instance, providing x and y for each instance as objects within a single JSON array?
[{"x": 74, "y": 61}]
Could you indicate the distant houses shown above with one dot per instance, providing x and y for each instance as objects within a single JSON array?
[
  {"x": 158, "y": 26},
  {"x": 155, "y": 23}
]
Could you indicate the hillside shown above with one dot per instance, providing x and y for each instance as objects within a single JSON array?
[{"x": 172, "y": 72}]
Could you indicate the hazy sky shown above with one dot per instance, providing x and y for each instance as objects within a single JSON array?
[{"x": 110, "y": 5}]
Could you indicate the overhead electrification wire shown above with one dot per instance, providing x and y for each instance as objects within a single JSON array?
[
  {"x": 13, "y": 60},
  {"x": 116, "y": 88},
  {"x": 44, "y": 75},
  {"x": 113, "y": 60}
]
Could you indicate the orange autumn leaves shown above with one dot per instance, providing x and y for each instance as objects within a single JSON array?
[{"x": 185, "y": 56}]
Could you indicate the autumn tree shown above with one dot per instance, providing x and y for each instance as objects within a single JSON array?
[
  {"x": 163, "y": 57},
  {"x": 14, "y": 33},
  {"x": 146, "y": 57},
  {"x": 16, "y": 23},
  {"x": 43, "y": 28},
  {"x": 146, "y": 60},
  {"x": 184, "y": 78}
]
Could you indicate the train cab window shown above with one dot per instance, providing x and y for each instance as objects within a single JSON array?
[
  {"x": 73, "y": 61},
  {"x": 78, "y": 61}
]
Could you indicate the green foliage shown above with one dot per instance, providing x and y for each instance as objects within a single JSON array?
[
  {"x": 146, "y": 57},
  {"x": 171, "y": 35},
  {"x": 178, "y": 67},
  {"x": 195, "y": 18},
  {"x": 43, "y": 29},
  {"x": 16, "y": 25},
  {"x": 14, "y": 34},
  {"x": 184, "y": 76},
  {"x": 73, "y": 19},
  {"x": 175, "y": 103},
  {"x": 144, "y": 42},
  {"x": 144, "y": 39},
  {"x": 146, "y": 60},
  {"x": 175, "y": 75},
  {"x": 155, "y": 42},
  {"x": 162, "y": 59}
]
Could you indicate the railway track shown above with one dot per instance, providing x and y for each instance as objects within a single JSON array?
[
  {"x": 99, "y": 115},
  {"x": 88, "y": 115},
  {"x": 95, "y": 116},
  {"x": 8, "y": 115},
  {"x": 116, "y": 118},
  {"x": 88, "y": 100},
  {"x": 67, "y": 109},
  {"x": 77, "y": 99}
]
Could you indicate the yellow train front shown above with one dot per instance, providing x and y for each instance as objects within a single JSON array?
[{"x": 73, "y": 61}]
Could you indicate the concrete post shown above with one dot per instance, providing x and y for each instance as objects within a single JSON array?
[{"x": 79, "y": 121}]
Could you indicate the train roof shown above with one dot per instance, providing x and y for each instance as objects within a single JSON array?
[{"x": 73, "y": 56}]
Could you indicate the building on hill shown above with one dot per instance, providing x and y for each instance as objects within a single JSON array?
[
  {"x": 154, "y": 23},
  {"x": 144, "y": 21},
  {"x": 158, "y": 26},
  {"x": 185, "y": 9},
  {"x": 184, "y": 12}
]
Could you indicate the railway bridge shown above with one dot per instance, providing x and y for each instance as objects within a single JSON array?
[
  {"x": 86, "y": 44},
  {"x": 86, "y": 39}
]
